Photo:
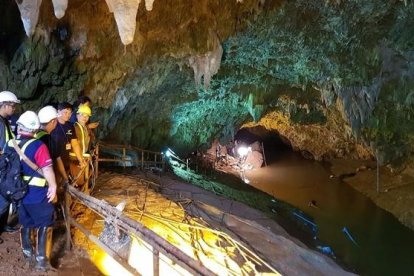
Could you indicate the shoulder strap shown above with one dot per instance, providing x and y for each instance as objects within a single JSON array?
[
  {"x": 9, "y": 133},
  {"x": 24, "y": 157},
  {"x": 83, "y": 137}
]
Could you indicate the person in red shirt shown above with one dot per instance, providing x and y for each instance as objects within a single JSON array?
[{"x": 36, "y": 210}]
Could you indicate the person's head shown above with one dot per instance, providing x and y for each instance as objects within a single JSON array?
[
  {"x": 84, "y": 100},
  {"x": 8, "y": 102},
  {"x": 64, "y": 112},
  {"x": 48, "y": 118},
  {"x": 83, "y": 114},
  {"x": 28, "y": 123}
]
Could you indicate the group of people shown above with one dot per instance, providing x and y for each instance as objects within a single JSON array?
[{"x": 58, "y": 145}]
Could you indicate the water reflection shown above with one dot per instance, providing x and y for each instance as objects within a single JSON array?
[{"x": 363, "y": 236}]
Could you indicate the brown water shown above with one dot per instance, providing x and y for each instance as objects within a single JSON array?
[{"x": 377, "y": 245}]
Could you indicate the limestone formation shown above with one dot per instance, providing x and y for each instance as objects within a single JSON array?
[
  {"x": 60, "y": 7},
  {"x": 29, "y": 13},
  {"x": 207, "y": 65},
  {"x": 125, "y": 13}
]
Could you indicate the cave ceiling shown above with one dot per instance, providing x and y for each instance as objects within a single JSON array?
[{"x": 333, "y": 78}]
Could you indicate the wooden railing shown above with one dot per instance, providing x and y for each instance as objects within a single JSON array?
[{"x": 146, "y": 158}]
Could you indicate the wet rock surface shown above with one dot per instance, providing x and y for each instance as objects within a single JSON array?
[{"x": 392, "y": 191}]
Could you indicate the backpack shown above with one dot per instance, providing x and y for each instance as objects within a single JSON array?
[{"x": 12, "y": 185}]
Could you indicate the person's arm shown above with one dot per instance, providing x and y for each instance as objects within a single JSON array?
[
  {"x": 77, "y": 150},
  {"x": 42, "y": 160},
  {"x": 93, "y": 125},
  {"x": 51, "y": 181},
  {"x": 61, "y": 168}
]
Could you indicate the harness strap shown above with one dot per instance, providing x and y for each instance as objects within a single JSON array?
[
  {"x": 32, "y": 180},
  {"x": 83, "y": 137}
]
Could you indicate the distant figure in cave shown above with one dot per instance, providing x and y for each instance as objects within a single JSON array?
[
  {"x": 312, "y": 204},
  {"x": 231, "y": 148}
]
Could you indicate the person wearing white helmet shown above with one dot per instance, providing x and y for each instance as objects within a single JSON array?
[
  {"x": 8, "y": 102},
  {"x": 48, "y": 122},
  {"x": 36, "y": 210}
]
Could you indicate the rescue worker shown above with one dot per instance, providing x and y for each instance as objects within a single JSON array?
[
  {"x": 83, "y": 133},
  {"x": 8, "y": 102},
  {"x": 84, "y": 100},
  {"x": 36, "y": 210},
  {"x": 48, "y": 122},
  {"x": 65, "y": 136}
]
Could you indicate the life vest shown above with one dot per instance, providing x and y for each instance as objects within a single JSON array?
[
  {"x": 35, "y": 178},
  {"x": 84, "y": 139}
]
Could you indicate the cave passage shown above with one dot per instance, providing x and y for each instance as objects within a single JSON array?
[{"x": 273, "y": 143}]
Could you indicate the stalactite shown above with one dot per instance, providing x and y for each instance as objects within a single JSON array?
[
  {"x": 149, "y": 4},
  {"x": 29, "y": 13},
  {"x": 207, "y": 65},
  {"x": 60, "y": 7},
  {"x": 125, "y": 12},
  {"x": 108, "y": 2}
]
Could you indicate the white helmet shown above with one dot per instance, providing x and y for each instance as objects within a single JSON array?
[
  {"x": 47, "y": 114},
  {"x": 7, "y": 96},
  {"x": 29, "y": 121}
]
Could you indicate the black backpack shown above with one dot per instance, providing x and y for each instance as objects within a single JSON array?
[{"x": 12, "y": 185}]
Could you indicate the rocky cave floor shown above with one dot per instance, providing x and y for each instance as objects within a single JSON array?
[{"x": 71, "y": 263}]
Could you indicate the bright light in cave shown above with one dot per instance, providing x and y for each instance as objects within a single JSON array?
[
  {"x": 243, "y": 151},
  {"x": 141, "y": 257},
  {"x": 107, "y": 265}
]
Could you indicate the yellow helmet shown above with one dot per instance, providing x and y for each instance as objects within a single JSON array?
[{"x": 84, "y": 109}]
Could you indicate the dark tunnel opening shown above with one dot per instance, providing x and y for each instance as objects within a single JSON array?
[{"x": 273, "y": 143}]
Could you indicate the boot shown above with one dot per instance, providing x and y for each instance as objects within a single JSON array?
[
  {"x": 26, "y": 244},
  {"x": 44, "y": 242}
]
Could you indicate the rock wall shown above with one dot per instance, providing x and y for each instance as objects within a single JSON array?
[{"x": 334, "y": 78}]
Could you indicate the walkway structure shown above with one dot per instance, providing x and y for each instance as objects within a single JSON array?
[{"x": 138, "y": 241}]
